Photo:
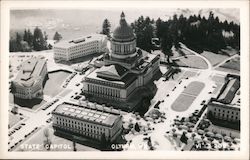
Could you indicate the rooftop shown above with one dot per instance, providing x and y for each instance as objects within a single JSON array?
[
  {"x": 228, "y": 93},
  {"x": 116, "y": 71},
  {"x": 30, "y": 71},
  {"x": 96, "y": 113},
  {"x": 79, "y": 40},
  {"x": 125, "y": 80}
]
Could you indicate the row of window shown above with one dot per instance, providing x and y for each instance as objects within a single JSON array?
[
  {"x": 103, "y": 82},
  {"x": 104, "y": 90},
  {"x": 227, "y": 111},
  {"x": 75, "y": 123},
  {"x": 225, "y": 116}
]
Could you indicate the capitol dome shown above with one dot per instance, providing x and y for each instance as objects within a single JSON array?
[{"x": 123, "y": 32}]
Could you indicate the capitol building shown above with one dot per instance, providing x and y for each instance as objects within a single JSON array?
[{"x": 120, "y": 73}]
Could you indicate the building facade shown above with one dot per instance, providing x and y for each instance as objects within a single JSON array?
[
  {"x": 122, "y": 70},
  {"x": 77, "y": 48},
  {"x": 76, "y": 121},
  {"x": 226, "y": 106},
  {"x": 29, "y": 81}
]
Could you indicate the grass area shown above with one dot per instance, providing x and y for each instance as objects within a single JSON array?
[
  {"x": 218, "y": 79},
  {"x": 189, "y": 74},
  {"x": 56, "y": 141},
  {"x": 194, "y": 88},
  {"x": 192, "y": 62},
  {"x": 229, "y": 51},
  {"x": 179, "y": 53},
  {"x": 232, "y": 64},
  {"x": 217, "y": 89},
  {"x": 53, "y": 84},
  {"x": 214, "y": 58},
  {"x": 13, "y": 119},
  {"x": 182, "y": 103}
]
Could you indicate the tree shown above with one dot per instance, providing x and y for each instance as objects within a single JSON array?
[
  {"x": 39, "y": 42},
  {"x": 14, "y": 110},
  {"x": 184, "y": 138},
  {"x": 47, "y": 141},
  {"x": 74, "y": 146},
  {"x": 30, "y": 38},
  {"x": 137, "y": 127},
  {"x": 106, "y": 27},
  {"x": 166, "y": 45},
  {"x": 143, "y": 29},
  {"x": 18, "y": 42},
  {"x": 57, "y": 37}
]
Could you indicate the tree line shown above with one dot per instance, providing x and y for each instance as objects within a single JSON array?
[
  {"x": 28, "y": 41},
  {"x": 198, "y": 33}
]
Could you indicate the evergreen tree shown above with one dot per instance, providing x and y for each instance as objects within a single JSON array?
[
  {"x": 106, "y": 27},
  {"x": 30, "y": 38},
  {"x": 57, "y": 36},
  {"x": 143, "y": 29},
  {"x": 137, "y": 127},
  {"x": 18, "y": 42},
  {"x": 39, "y": 42}
]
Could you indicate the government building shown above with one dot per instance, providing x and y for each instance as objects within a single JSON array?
[
  {"x": 80, "y": 47},
  {"x": 226, "y": 106},
  {"x": 29, "y": 81},
  {"x": 78, "y": 122},
  {"x": 122, "y": 71}
]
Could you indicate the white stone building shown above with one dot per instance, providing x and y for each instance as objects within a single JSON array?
[
  {"x": 80, "y": 47},
  {"x": 28, "y": 83},
  {"x": 76, "y": 121}
]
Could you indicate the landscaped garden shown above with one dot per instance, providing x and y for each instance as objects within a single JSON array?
[
  {"x": 182, "y": 103},
  {"x": 194, "y": 88}
]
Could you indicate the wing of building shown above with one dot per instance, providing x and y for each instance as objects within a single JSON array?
[
  {"x": 122, "y": 70},
  {"x": 72, "y": 49},
  {"x": 76, "y": 121},
  {"x": 28, "y": 83},
  {"x": 226, "y": 105}
]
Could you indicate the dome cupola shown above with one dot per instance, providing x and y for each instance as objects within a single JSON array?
[{"x": 123, "y": 32}]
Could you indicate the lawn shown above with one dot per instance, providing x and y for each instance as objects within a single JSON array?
[
  {"x": 192, "y": 62},
  {"x": 233, "y": 64},
  {"x": 182, "y": 103},
  {"x": 68, "y": 145},
  {"x": 194, "y": 88},
  {"x": 219, "y": 79},
  {"x": 53, "y": 84},
  {"x": 213, "y": 58},
  {"x": 189, "y": 74},
  {"x": 179, "y": 53}
]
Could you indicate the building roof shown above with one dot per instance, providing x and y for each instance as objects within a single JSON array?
[
  {"x": 123, "y": 32},
  {"x": 115, "y": 71},
  {"x": 229, "y": 91},
  {"x": 125, "y": 80},
  {"x": 96, "y": 114},
  {"x": 79, "y": 40},
  {"x": 30, "y": 71}
]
